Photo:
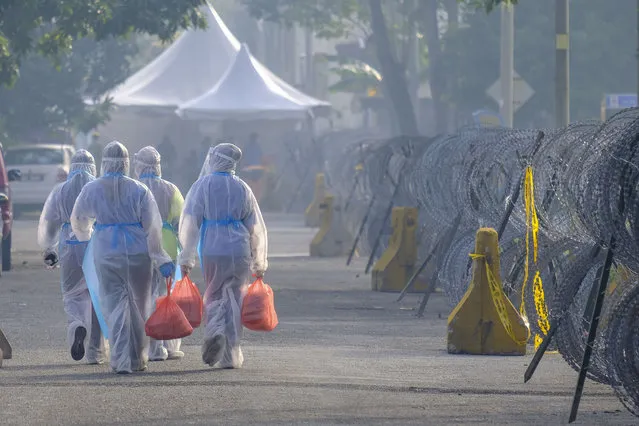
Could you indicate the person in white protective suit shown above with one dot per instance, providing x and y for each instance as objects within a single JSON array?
[
  {"x": 223, "y": 223},
  {"x": 148, "y": 170},
  {"x": 61, "y": 246},
  {"x": 127, "y": 244}
]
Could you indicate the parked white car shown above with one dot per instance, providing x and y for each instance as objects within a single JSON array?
[{"x": 41, "y": 168}]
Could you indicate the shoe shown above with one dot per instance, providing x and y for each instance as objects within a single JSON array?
[
  {"x": 95, "y": 362},
  {"x": 213, "y": 349},
  {"x": 77, "y": 349},
  {"x": 158, "y": 352},
  {"x": 176, "y": 355}
]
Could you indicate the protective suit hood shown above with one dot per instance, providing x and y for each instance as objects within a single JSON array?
[
  {"x": 222, "y": 158},
  {"x": 147, "y": 163},
  {"x": 115, "y": 159}
]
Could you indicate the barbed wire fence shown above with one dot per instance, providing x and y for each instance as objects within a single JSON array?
[{"x": 586, "y": 190}]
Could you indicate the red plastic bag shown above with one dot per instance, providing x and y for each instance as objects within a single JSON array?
[
  {"x": 188, "y": 298},
  {"x": 258, "y": 307},
  {"x": 168, "y": 322}
]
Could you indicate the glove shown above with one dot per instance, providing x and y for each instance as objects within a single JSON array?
[
  {"x": 51, "y": 258},
  {"x": 167, "y": 269},
  {"x": 259, "y": 274},
  {"x": 186, "y": 270}
]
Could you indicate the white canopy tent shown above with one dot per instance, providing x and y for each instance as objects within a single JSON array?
[
  {"x": 191, "y": 66},
  {"x": 247, "y": 91},
  {"x": 186, "y": 69}
]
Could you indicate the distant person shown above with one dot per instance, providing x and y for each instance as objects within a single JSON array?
[
  {"x": 169, "y": 155},
  {"x": 223, "y": 226},
  {"x": 59, "y": 243},
  {"x": 148, "y": 170},
  {"x": 122, "y": 216}
]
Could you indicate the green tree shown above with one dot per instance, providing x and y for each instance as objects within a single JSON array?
[
  {"x": 45, "y": 99},
  {"x": 338, "y": 18},
  {"x": 50, "y": 27}
]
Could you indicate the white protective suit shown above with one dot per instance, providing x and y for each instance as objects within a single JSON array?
[
  {"x": 168, "y": 197},
  {"x": 126, "y": 244},
  {"x": 223, "y": 223},
  {"x": 56, "y": 238}
]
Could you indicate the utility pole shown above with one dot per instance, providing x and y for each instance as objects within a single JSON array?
[
  {"x": 562, "y": 65},
  {"x": 507, "y": 62},
  {"x": 413, "y": 61},
  {"x": 310, "y": 64}
]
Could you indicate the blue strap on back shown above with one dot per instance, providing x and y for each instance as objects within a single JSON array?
[
  {"x": 74, "y": 242},
  {"x": 119, "y": 227},
  {"x": 207, "y": 223},
  {"x": 149, "y": 176},
  {"x": 113, "y": 175}
]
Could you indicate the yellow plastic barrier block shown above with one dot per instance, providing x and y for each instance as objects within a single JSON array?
[
  {"x": 312, "y": 213},
  {"x": 397, "y": 264},
  {"x": 332, "y": 239},
  {"x": 485, "y": 322}
]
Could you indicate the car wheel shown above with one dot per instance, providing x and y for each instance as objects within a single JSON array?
[{"x": 6, "y": 253}]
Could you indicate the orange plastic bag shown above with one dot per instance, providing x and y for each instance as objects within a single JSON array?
[
  {"x": 258, "y": 307},
  {"x": 168, "y": 322},
  {"x": 188, "y": 298}
]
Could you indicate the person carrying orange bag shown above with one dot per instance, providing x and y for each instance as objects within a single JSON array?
[
  {"x": 148, "y": 170},
  {"x": 168, "y": 322},
  {"x": 258, "y": 307},
  {"x": 222, "y": 223}
]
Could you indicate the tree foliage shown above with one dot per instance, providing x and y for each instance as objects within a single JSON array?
[
  {"x": 365, "y": 19},
  {"x": 45, "y": 99},
  {"x": 329, "y": 18},
  {"x": 54, "y": 55},
  {"x": 50, "y": 27}
]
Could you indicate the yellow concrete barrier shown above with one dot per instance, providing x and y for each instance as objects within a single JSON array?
[
  {"x": 397, "y": 264},
  {"x": 485, "y": 322},
  {"x": 332, "y": 239},
  {"x": 312, "y": 213}
]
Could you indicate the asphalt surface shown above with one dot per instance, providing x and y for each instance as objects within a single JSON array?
[{"x": 342, "y": 354}]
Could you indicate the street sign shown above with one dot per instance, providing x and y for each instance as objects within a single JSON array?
[
  {"x": 522, "y": 92},
  {"x": 487, "y": 118},
  {"x": 621, "y": 101}
]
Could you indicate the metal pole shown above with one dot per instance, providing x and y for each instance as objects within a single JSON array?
[
  {"x": 507, "y": 62},
  {"x": 592, "y": 332},
  {"x": 562, "y": 64},
  {"x": 310, "y": 66}
]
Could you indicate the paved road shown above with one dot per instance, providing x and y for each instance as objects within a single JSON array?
[{"x": 341, "y": 355}]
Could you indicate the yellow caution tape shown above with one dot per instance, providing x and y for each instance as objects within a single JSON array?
[
  {"x": 498, "y": 297},
  {"x": 532, "y": 227},
  {"x": 540, "y": 304}
]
